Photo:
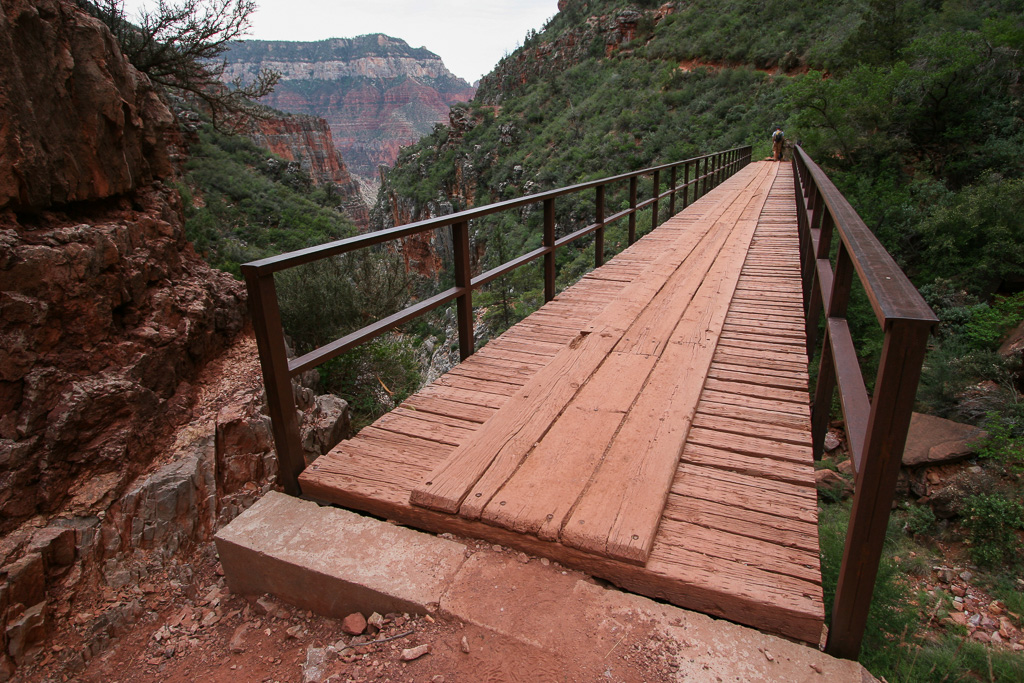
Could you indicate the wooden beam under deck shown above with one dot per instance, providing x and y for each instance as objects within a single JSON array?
[{"x": 716, "y": 511}]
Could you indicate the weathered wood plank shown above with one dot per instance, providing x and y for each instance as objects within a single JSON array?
[
  {"x": 792, "y": 471},
  {"x": 781, "y": 530},
  {"x": 541, "y": 492},
  {"x": 751, "y": 444},
  {"x": 480, "y": 467},
  {"x": 445, "y": 406},
  {"x": 619, "y": 514}
]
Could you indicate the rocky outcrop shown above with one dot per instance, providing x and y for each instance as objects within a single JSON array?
[
  {"x": 104, "y": 324},
  {"x": 117, "y": 452},
  {"x": 604, "y": 33},
  {"x": 933, "y": 440},
  {"x": 115, "y": 537},
  {"x": 79, "y": 123},
  {"x": 307, "y": 141},
  {"x": 106, "y": 313},
  {"x": 377, "y": 93}
]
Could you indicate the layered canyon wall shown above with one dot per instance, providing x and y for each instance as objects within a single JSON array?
[{"x": 377, "y": 93}]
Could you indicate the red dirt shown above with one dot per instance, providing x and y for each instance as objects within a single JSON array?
[{"x": 171, "y": 643}]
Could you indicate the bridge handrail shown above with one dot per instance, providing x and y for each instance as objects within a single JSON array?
[
  {"x": 876, "y": 427},
  {"x": 708, "y": 171}
]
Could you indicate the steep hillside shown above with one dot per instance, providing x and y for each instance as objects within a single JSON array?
[
  {"x": 376, "y": 92},
  {"x": 916, "y": 94},
  {"x": 580, "y": 100}
]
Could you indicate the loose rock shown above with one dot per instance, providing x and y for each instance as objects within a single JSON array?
[
  {"x": 353, "y": 624},
  {"x": 237, "y": 642},
  {"x": 415, "y": 652}
]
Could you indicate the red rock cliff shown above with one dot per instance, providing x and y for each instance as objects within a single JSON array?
[
  {"x": 79, "y": 123},
  {"x": 307, "y": 140},
  {"x": 106, "y": 313}
]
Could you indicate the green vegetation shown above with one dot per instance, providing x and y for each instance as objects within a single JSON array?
[
  {"x": 907, "y": 638},
  {"x": 991, "y": 521},
  {"x": 252, "y": 204},
  {"x": 243, "y": 203}
]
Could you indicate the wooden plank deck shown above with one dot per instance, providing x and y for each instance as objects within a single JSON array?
[{"x": 649, "y": 426}]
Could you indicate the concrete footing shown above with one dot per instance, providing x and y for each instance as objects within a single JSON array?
[{"x": 335, "y": 562}]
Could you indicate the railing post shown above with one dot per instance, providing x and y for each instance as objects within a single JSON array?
[
  {"x": 816, "y": 303},
  {"x": 632, "y": 214},
  {"x": 672, "y": 197},
  {"x": 266, "y": 322},
  {"x": 463, "y": 278},
  {"x": 835, "y": 307},
  {"x": 809, "y": 255},
  {"x": 599, "y": 233},
  {"x": 895, "y": 388},
  {"x": 686, "y": 184},
  {"x": 704, "y": 177},
  {"x": 549, "y": 242},
  {"x": 654, "y": 205}
]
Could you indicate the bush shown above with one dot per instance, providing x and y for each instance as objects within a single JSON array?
[
  {"x": 374, "y": 377},
  {"x": 920, "y": 519},
  {"x": 178, "y": 44},
  {"x": 991, "y": 521},
  {"x": 989, "y": 324}
]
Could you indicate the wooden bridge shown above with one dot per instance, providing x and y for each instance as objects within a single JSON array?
[{"x": 651, "y": 424}]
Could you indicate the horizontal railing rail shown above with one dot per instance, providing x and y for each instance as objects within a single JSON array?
[
  {"x": 876, "y": 427},
  {"x": 707, "y": 172}
]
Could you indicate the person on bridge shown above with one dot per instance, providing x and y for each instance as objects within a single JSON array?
[{"x": 778, "y": 140}]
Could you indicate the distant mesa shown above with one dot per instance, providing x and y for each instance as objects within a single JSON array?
[{"x": 376, "y": 92}]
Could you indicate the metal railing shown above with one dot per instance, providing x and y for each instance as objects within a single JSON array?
[
  {"x": 707, "y": 172},
  {"x": 876, "y": 428}
]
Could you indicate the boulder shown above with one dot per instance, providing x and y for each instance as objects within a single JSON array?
[
  {"x": 947, "y": 501},
  {"x": 26, "y": 580},
  {"x": 831, "y": 480},
  {"x": 327, "y": 424},
  {"x": 933, "y": 440}
]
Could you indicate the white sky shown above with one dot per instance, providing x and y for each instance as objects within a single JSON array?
[{"x": 470, "y": 36}]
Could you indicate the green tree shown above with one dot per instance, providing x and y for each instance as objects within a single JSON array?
[{"x": 177, "y": 44}]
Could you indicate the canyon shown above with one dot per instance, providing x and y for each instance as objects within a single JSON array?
[{"x": 376, "y": 92}]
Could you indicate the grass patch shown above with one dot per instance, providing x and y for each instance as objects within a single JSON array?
[{"x": 898, "y": 644}]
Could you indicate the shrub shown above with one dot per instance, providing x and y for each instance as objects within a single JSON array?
[
  {"x": 920, "y": 520},
  {"x": 374, "y": 377},
  {"x": 991, "y": 520}
]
